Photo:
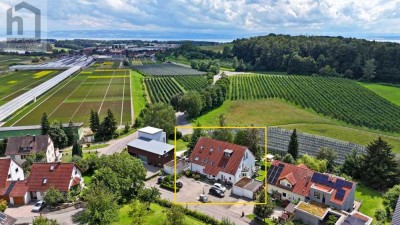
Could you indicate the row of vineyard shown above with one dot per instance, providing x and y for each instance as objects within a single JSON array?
[
  {"x": 162, "y": 89},
  {"x": 189, "y": 83},
  {"x": 338, "y": 98}
]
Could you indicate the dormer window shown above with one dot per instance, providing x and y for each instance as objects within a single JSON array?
[
  {"x": 228, "y": 153},
  {"x": 44, "y": 182},
  {"x": 196, "y": 159}
]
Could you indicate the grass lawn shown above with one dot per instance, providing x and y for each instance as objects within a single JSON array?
[
  {"x": 180, "y": 144},
  {"x": 277, "y": 112},
  {"x": 265, "y": 222},
  {"x": 388, "y": 92},
  {"x": 139, "y": 102},
  {"x": 155, "y": 217},
  {"x": 371, "y": 200},
  {"x": 96, "y": 146},
  {"x": 67, "y": 155}
]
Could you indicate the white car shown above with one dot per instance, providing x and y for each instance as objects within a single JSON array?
[
  {"x": 39, "y": 206},
  {"x": 219, "y": 187}
]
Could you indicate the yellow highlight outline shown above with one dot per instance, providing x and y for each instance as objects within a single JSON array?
[{"x": 221, "y": 203}]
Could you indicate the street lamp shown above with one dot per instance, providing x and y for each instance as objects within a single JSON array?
[{"x": 203, "y": 189}]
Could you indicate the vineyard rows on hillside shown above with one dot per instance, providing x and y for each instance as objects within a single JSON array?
[{"x": 338, "y": 98}]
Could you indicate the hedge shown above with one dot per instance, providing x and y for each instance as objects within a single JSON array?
[{"x": 169, "y": 187}]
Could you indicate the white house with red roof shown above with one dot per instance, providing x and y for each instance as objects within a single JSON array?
[
  {"x": 222, "y": 160},
  {"x": 62, "y": 176},
  {"x": 12, "y": 184},
  {"x": 298, "y": 183}
]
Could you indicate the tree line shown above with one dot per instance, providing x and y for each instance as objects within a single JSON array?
[{"x": 326, "y": 56}]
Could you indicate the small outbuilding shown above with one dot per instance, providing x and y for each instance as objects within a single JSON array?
[{"x": 246, "y": 187}]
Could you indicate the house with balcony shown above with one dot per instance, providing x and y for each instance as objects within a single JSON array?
[
  {"x": 299, "y": 183},
  {"x": 221, "y": 160}
]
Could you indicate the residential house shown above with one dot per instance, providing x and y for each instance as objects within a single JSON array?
[
  {"x": 298, "y": 183},
  {"x": 62, "y": 176},
  {"x": 247, "y": 187},
  {"x": 222, "y": 160},
  {"x": 396, "y": 214},
  {"x": 19, "y": 147},
  {"x": 313, "y": 213},
  {"x": 12, "y": 184},
  {"x": 151, "y": 147}
]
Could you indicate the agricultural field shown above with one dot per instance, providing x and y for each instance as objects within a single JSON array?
[
  {"x": 14, "y": 84},
  {"x": 391, "y": 93},
  {"x": 161, "y": 89},
  {"x": 284, "y": 114},
  {"x": 166, "y": 69},
  {"x": 337, "y": 98},
  {"x": 216, "y": 48},
  {"x": 75, "y": 97},
  {"x": 6, "y": 60}
]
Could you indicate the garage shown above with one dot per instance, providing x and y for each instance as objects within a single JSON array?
[
  {"x": 19, "y": 200},
  {"x": 246, "y": 187}
]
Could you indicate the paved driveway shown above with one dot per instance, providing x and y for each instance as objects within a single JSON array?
[
  {"x": 234, "y": 211},
  {"x": 117, "y": 145}
]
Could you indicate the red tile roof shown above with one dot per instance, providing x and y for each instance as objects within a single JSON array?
[
  {"x": 210, "y": 154},
  {"x": 60, "y": 177},
  {"x": 19, "y": 189},
  {"x": 4, "y": 168},
  {"x": 301, "y": 175}
]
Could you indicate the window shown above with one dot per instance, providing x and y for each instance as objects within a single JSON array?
[
  {"x": 76, "y": 172},
  {"x": 9, "y": 176},
  {"x": 288, "y": 185},
  {"x": 317, "y": 195},
  {"x": 284, "y": 194},
  {"x": 16, "y": 170}
]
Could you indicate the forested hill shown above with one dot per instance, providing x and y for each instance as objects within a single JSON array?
[{"x": 327, "y": 56}]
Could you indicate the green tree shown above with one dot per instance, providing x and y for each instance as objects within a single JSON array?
[
  {"x": 352, "y": 165},
  {"x": 149, "y": 194},
  {"x": 53, "y": 196},
  {"x": 160, "y": 115},
  {"x": 33, "y": 158},
  {"x": 127, "y": 128},
  {"x": 42, "y": 220},
  {"x": 45, "y": 125},
  {"x": 71, "y": 135},
  {"x": 391, "y": 197},
  {"x": 262, "y": 211},
  {"x": 192, "y": 104},
  {"x": 223, "y": 134},
  {"x": 94, "y": 121},
  {"x": 57, "y": 135},
  {"x": 235, "y": 62},
  {"x": 137, "y": 213},
  {"x": 380, "y": 215},
  {"x": 197, "y": 133},
  {"x": 3, "y": 205},
  {"x": 83, "y": 164},
  {"x": 313, "y": 163},
  {"x": 289, "y": 159},
  {"x": 250, "y": 138},
  {"x": 293, "y": 147},
  {"x": 108, "y": 127},
  {"x": 329, "y": 155},
  {"x": 379, "y": 167},
  {"x": 369, "y": 70},
  {"x": 101, "y": 207},
  {"x": 175, "y": 216},
  {"x": 226, "y": 221},
  {"x": 77, "y": 149},
  {"x": 108, "y": 178}
]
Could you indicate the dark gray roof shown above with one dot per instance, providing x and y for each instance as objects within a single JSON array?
[
  {"x": 352, "y": 220},
  {"x": 27, "y": 144},
  {"x": 396, "y": 214},
  {"x": 156, "y": 147},
  {"x": 6, "y": 219}
]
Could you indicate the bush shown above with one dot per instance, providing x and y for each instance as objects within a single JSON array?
[
  {"x": 169, "y": 187},
  {"x": 197, "y": 177},
  {"x": 178, "y": 136},
  {"x": 3, "y": 205},
  {"x": 188, "y": 173},
  {"x": 186, "y": 138}
]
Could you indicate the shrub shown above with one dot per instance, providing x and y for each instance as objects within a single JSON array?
[
  {"x": 188, "y": 173},
  {"x": 197, "y": 177},
  {"x": 3, "y": 205},
  {"x": 178, "y": 135},
  {"x": 169, "y": 187},
  {"x": 186, "y": 138}
]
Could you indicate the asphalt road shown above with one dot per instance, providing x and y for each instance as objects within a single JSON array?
[{"x": 118, "y": 145}]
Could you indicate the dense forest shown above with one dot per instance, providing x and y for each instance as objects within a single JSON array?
[{"x": 327, "y": 56}]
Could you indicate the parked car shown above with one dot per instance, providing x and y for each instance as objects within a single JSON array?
[
  {"x": 179, "y": 184},
  {"x": 38, "y": 206},
  {"x": 160, "y": 179},
  {"x": 220, "y": 187},
  {"x": 216, "y": 192}
]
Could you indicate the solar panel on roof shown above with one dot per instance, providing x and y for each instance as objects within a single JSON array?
[
  {"x": 347, "y": 184},
  {"x": 2, "y": 216},
  {"x": 9, "y": 189}
]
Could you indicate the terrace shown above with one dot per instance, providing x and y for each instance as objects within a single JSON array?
[{"x": 313, "y": 208}]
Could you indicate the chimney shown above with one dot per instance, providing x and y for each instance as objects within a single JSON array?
[{"x": 34, "y": 138}]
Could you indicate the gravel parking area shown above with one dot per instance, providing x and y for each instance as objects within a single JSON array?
[{"x": 193, "y": 188}]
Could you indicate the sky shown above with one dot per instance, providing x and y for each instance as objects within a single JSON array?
[{"x": 212, "y": 19}]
